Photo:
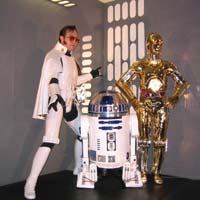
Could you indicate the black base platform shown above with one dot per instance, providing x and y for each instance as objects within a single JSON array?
[{"x": 62, "y": 186}]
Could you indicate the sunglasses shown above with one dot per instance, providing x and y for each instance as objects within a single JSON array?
[{"x": 72, "y": 38}]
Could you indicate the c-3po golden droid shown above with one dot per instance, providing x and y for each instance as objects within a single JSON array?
[{"x": 153, "y": 105}]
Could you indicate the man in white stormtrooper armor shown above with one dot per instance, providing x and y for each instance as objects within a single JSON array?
[{"x": 56, "y": 100}]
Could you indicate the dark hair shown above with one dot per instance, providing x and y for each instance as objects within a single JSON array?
[{"x": 66, "y": 29}]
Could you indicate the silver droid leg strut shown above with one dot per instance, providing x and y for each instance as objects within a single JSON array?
[
  {"x": 88, "y": 176},
  {"x": 78, "y": 155},
  {"x": 131, "y": 175}
]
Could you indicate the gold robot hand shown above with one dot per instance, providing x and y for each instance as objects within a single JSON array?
[{"x": 170, "y": 102}]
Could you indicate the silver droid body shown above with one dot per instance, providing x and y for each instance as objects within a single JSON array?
[{"x": 109, "y": 140}]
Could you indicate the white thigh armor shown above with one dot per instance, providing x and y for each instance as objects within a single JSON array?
[{"x": 52, "y": 125}]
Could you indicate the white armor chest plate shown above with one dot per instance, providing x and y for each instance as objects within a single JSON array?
[{"x": 68, "y": 77}]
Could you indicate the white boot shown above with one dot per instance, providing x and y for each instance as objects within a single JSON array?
[
  {"x": 77, "y": 157},
  {"x": 37, "y": 166}
]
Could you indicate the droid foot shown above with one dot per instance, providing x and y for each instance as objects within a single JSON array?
[
  {"x": 144, "y": 177},
  {"x": 76, "y": 171},
  {"x": 158, "y": 179},
  {"x": 87, "y": 177}
]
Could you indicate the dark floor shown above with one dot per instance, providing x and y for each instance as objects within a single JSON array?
[{"x": 62, "y": 186}]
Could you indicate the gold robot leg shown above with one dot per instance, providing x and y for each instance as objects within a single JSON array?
[
  {"x": 144, "y": 120},
  {"x": 143, "y": 158},
  {"x": 158, "y": 157},
  {"x": 159, "y": 141}
]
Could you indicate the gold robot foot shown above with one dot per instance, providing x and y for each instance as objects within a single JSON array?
[
  {"x": 158, "y": 179},
  {"x": 144, "y": 177}
]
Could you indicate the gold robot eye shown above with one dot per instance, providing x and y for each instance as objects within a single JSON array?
[{"x": 154, "y": 38}]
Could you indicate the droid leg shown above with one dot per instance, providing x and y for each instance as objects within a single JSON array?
[
  {"x": 78, "y": 155},
  {"x": 145, "y": 124},
  {"x": 143, "y": 158},
  {"x": 158, "y": 157},
  {"x": 131, "y": 175},
  {"x": 160, "y": 142},
  {"x": 39, "y": 161},
  {"x": 88, "y": 176}
]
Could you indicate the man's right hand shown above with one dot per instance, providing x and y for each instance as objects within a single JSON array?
[{"x": 170, "y": 102}]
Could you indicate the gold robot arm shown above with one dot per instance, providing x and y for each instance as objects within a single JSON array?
[
  {"x": 179, "y": 87},
  {"x": 125, "y": 86}
]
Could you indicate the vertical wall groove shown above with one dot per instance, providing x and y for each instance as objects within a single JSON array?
[{"x": 125, "y": 37}]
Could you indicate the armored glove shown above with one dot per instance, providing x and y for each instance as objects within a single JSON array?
[
  {"x": 54, "y": 93},
  {"x": 54, "y": 100},
  {"x": 96, "y": 72},
  {"x": 72, "y": 114}
]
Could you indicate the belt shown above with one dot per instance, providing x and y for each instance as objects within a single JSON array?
[{"x": 149, "y": 93}]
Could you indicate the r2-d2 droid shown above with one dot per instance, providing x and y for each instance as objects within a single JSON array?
[{"x": 109, "y": 136}]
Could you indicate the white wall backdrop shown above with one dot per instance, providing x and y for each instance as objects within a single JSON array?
[{"x": 113, "y": 36}]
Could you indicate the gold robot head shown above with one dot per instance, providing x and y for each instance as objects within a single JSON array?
[{"x": 154, "y": 44}]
